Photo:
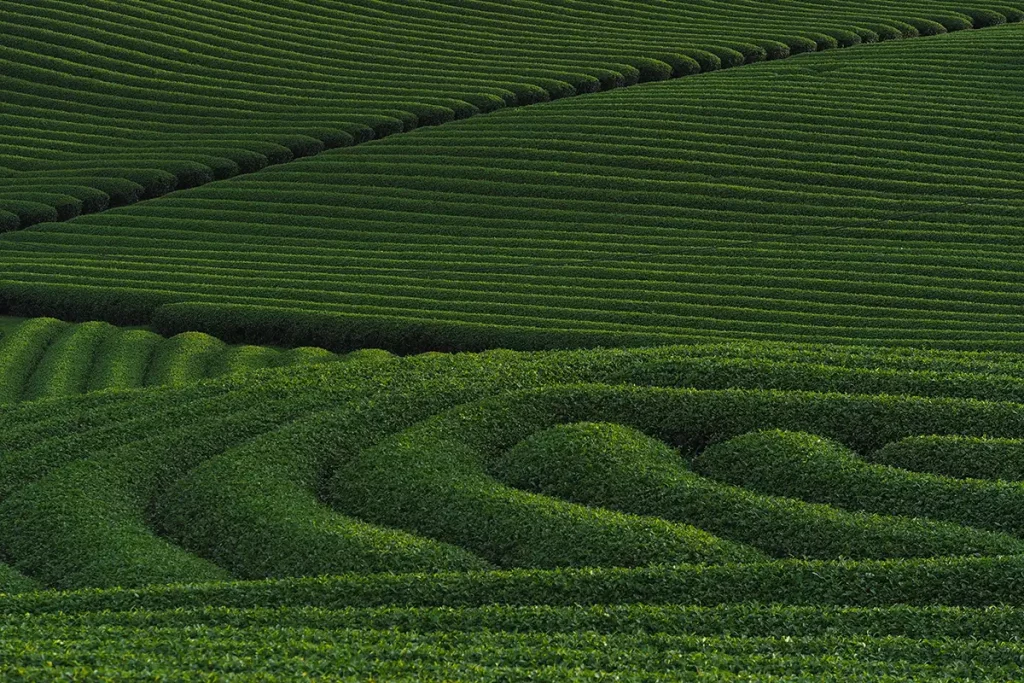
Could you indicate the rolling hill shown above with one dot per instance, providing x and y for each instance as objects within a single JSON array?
[
  {"x": 521, "y": 504},
  {"x": 551, "y": 340},
  {"x": 46, "y": 358},
  {"x": 869, "y": 195}
]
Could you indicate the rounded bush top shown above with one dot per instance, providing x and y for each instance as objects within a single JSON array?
[
  {"x": 955, "y": 22},
  {"x": 602, "y": 450},
  {"x": 886, "y": 31},
  {"x": 983, "y": 18},
  {"x": 927, "y": 27}
]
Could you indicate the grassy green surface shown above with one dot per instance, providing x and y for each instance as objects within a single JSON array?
[
  {"x": 823, "y": 483},
  {"x": 109, "y": 102},
  {"x": 46, "y": 358},
  {"x": 567, "y": 515},
  {"x": 8, "y": 323},
  {"x": 710, "y": 207}
]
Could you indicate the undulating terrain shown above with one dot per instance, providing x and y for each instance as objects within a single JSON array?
[{"x": 553, "y": 340}]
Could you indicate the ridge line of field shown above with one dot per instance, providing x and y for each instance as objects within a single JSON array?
[{"x": 693, "y": 68}]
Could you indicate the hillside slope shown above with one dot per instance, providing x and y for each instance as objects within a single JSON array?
[
  {"x": 109, "y": 101},
  {"x": 834, "y": 197},
  {"x": 407, "y": 464},
  {"x": 45, "y": 358},
  {"x": 576, "y": 514},
  {"x": 820, "y": 479}
]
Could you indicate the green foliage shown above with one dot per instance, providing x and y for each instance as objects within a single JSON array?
[
  {"x": 867, "y": 35},
  {"x": 380, "y": 498},
  {"x": 612, "y": 466},
  {"x": 751, "y": 52},
  {"x": 813, "y": 469},
  {"x": 683, "y": 64},
  {"x": 774, "y": 49},
  {"x": 250, "y": 510},
  {"x": 823, "y": 41},
  {"x": 729, "y": 57},
  {"x": 231, "y": 475},
  {"x": 983, "y": 18},
  {"x": 12, "y": 581},
  {"x": 455, "y": 238},
  {"x": 956, "y": 456},
  {"x": 64, "y": 368},
  {"x": 437, "y": 487},
  {"x": 21, "y": 351},
  {"x": 706, "y": 60},
  {"x": 844, "y": 38},
  {"x": 116, "y": 647},
  {"x": 45, "y": 358},
  {"x": 402, "y": 466},
  {"x": 907, "y": 29},
  {"x": 956, "y": 21},
  {"x": 927, "y": 27},
  {"x": 123, "y": 360},
  {"x": 799, "y": 44},
  {"x": 125, "y": 118},
  {"x": 1012, "y": 14}
]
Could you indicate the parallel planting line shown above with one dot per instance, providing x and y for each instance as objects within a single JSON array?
[
  {"x": 46, "y": 358},
  {"x": 505, "y": 460},
  {"x": 682, "y": 211},
  {"x": 586, "y": 515},
  {"x": 104, "y": 108}
]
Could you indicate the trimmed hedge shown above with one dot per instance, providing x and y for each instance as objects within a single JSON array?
[
  {"x": 867, "y": 35},
  {"x": 12, "y": 581},
  {"x": 810, "y": 468},
  {"x": 927, "y": 27},
  {"x": 1013, "y": 14},
  {"x": 956, "y": 456},
  {"x": 183, "y": 358},
  {"x": 751, "y": 53},
  {"x": 45, "y": 358},
  {"x": 613, "y": 466},
  {"x": 21, "y": 351},
  {"x": 261, "y": 650},
  {"x": 956, "y": 22},
  {"x": 823, "y": 41},
  {"x": 951, "y": 582},
  {"x": 984, "y": 18},
  {"x": 65, "y": 367},
  {"x": 681, "y": 64},
  {"x": 408, "y": 230},
  {"x": 436, "y": 487},
  {"x": 252, "y": 510},
  {"x": 908, "y": 29},
  {"x": 706, "y": 60},
  {"x": 729, "y": 56},
  {"x": 799, "y": 44},
  {"x": 843, "y": 37},
  {"x": 774, "y": 49}
]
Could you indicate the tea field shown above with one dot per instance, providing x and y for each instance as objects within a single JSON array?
[
  {"x": 47, "y": 358},
  {"x": 552, "y": 340},
  {"x": 742, "y": 510},
  {"x": 869, "y": 195},
  {"x": 108, "y": 101}
]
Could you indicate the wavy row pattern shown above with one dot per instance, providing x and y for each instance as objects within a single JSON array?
[
  {"x": 46, "y": 358},
  {"x": 108, "y": 102},
  {"x": 738, "y": 210},
  {"x": 504, "y": 460},
  {"x": 581, "y": 513}
]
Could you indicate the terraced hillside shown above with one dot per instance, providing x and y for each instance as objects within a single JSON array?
[
  {"x": 817, "y": 476},
  {"x": 46, "y": 358},
  {"x": 866, "y": 195},
  {"x": 644, "y": 513},
  {"x": 107, "y": 101}
]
